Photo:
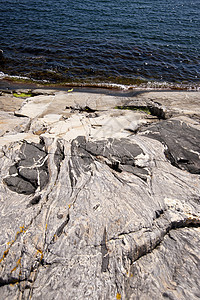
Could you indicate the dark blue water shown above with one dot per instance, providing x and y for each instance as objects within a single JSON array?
[{"x": 117, "y": 41}]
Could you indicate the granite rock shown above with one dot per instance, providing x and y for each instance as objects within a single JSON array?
[
  {"x": 181, "y": 142},
  {"x": 100, "y": 217}
]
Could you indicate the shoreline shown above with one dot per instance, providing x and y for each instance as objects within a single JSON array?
[
  {"x": 78, "y": 170},
  {"x": 161, "y": 103},
  {"x": 12, "y": 82}
]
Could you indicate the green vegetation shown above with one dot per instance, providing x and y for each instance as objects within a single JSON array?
[
  {"x": 22, "y": 95},
  {"x": 136, "y": 108}
]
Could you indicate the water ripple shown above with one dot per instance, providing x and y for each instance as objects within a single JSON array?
[{"x": 90, "y": 41}]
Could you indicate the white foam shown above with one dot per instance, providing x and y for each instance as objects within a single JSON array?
[{"x": 2, "y": 75}]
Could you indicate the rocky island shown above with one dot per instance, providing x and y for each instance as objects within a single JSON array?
[{"x": 99, "y": 195}]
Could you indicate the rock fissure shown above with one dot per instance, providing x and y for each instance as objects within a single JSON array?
[
  {"x": 173, "y": 226},
  {"x": 59, "y": 231},
  {"x": 10, "y": 282}
]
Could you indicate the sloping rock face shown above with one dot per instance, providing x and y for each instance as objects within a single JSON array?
[
  {"x": 108, "y": 218},
  {"x": 181, "y": 141}
]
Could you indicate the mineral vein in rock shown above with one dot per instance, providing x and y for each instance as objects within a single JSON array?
[{"x": 93, "y": 213}]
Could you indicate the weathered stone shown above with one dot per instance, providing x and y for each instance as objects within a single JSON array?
[
  {"x": 10, "y": 103},
  {"x": 30, "y": 172},
  {"x": 181, "y": 141},
  {"x": 59, "y": 155},
  {"x": 103, "y": 216},
  {"x": 19, "y": 185},
  {"x": 10, "y": 124},
  {"x": 169, "y": 104}
]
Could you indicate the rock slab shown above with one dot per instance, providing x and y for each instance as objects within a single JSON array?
[{"x": 88, "y": 217}]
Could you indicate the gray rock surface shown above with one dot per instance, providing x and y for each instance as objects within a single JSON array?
[
  {"x": 182, "y": 143},
  {"x": 169, "y": 104},
  {"x": 30, "y": 172},
  {"x": 9, "y": 103},
  {"x": 100, "y": 215}
]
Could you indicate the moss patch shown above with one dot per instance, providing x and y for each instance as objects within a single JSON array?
[
  {"x": 136, "y": 108},
  {"x": 22, "y": 95}
]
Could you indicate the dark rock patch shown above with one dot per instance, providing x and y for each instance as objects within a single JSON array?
[
  {"x": 62, "y": 226},
  {"x": 19, "y": 185},
  {"x": 13, "y": 170},
  {"x": 138, "y": 171},
  {"x": 80, "y": 108},
  {"x": 30, "y": 175},
  {"x": 81, "y": 159},
  {"x": 30, "y": 172},
  {"x": 157, "y": 111},
  {"x": 121, "y": 150},
  {"x": 35, "y": 200},
  {"x": 119, "y": 154},
  {"x": 59, "y": 155},
  {"x": 105, "y": 254},
  {"x": 182, "y": 143},
  {"x": 115, "y": 166}
]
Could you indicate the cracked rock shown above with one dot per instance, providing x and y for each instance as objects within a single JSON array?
[
  {"x": 30, "y": 172},
  {"x": 105, "y": 218},
  {"x": 181, "y": 141}
]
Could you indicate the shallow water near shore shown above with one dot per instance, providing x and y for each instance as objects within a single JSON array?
[{"x": 151, "y": 44}]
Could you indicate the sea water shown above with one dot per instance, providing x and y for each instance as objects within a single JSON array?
[{"x": 102, "y": 41}]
